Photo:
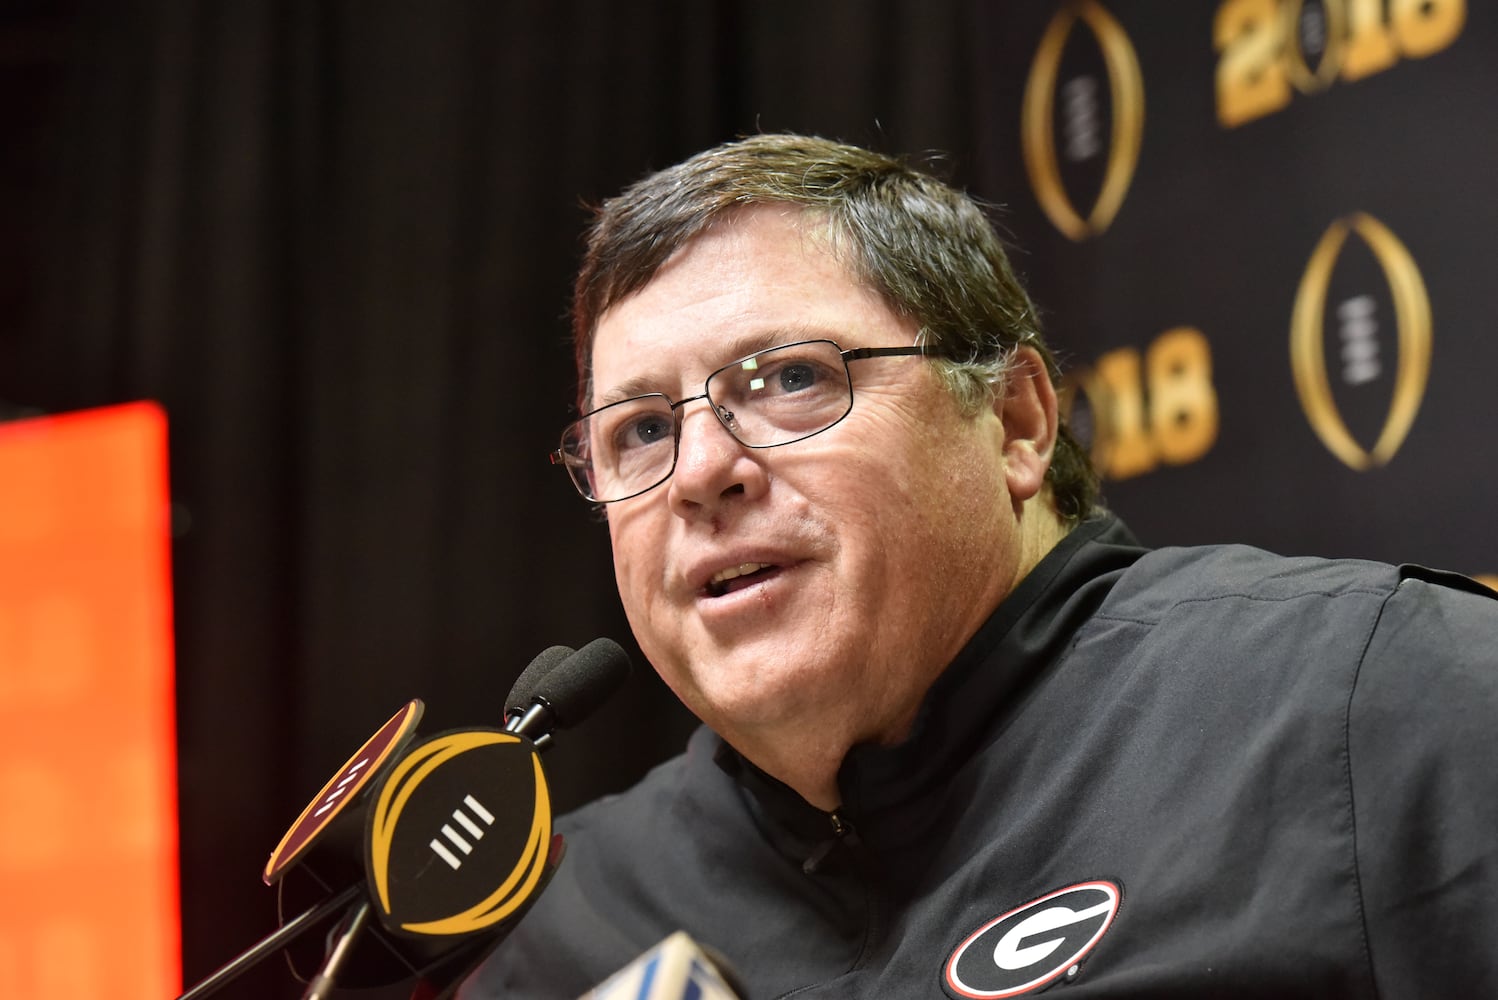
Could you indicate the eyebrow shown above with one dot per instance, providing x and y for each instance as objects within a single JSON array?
[
  {"x": 640, "y": 385},
  {"x": 740, "y": 346}
]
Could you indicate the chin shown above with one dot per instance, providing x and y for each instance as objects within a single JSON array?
[
  {"x": 756, "y": 684},
  {"x": 742, "y": 709},
  {"x": 781, "y": 702}
]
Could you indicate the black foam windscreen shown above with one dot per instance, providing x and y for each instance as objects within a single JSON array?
[
  {"x": 579, "y": 684},
  {"x": 534, "y": 675}
]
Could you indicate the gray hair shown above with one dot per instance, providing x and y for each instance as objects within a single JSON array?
[{"x": 927, "y": 248}]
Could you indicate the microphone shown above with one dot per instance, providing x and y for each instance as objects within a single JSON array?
[
  {"x": 326, "y": 839},
  {"x": 459, "y": 796},
  {"x": 559, "y": 692},
  {"x": 445, "y": 842},
  {"x": 523, "y": 693},
  {"x": 676, "y": 969}
]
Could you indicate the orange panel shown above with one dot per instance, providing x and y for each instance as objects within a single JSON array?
[{"x": 88, "y": 815}]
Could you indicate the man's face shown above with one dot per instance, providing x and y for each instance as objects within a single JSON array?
[{"x": 869, "y": 553}]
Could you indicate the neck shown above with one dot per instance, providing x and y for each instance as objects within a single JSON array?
[
  {"x": 1041, "y": 528},
  {"x": 811, "y": 775}
]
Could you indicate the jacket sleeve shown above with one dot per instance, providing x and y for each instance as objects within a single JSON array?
[{"x": 1422, "y": 759}]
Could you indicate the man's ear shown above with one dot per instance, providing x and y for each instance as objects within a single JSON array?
[{"x": 1027, "y": 409}]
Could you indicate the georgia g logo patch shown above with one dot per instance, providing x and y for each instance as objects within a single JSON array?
[{"x": 1031, "y": 946}]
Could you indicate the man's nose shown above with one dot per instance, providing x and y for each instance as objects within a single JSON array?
[{"x": 710, "y": 462}]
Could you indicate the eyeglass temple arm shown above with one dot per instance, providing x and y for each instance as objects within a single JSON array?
[{"x": 859, "y": 353}]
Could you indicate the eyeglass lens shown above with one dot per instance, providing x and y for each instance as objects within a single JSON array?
[{"x": 767, "y": 399}]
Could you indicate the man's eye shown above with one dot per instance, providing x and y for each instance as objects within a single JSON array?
[
  {"x": 797, "y": 376},
  {"x": 644, "y": 430}
]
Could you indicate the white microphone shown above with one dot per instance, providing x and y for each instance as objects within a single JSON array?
[{"x": 676, "y": 969}]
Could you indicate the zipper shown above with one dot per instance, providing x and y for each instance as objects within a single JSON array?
[
  {"x": 842, "y": 826},
  {"x": 842, "y": 833}
]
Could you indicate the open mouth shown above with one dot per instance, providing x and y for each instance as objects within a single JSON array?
[{"x": 726, "y": 581}]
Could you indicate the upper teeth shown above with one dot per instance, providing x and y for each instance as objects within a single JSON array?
[{"x": 743, "y": 569}]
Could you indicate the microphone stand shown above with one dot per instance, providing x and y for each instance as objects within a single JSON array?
[
  {"x": 348, "y": 929},
  {"x": 275, "y": 941}
]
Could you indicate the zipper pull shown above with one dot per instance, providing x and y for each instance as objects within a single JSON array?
[{"x": 842, "y": 832}]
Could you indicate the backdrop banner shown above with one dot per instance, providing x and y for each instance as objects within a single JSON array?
[{"x": 1259, "y": 231}]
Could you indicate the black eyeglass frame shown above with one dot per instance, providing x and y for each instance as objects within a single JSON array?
[{"x": 560, "y": 457}]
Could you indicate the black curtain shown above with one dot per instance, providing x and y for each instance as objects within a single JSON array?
[{"x": 335, "y": 240}]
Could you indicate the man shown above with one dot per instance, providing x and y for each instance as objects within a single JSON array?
[{"x": 963, "y": 736}]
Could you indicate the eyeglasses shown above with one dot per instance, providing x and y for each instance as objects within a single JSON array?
[{"x": 775, "y": 397}]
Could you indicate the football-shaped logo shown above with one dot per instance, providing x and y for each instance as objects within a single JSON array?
[
  {"x": 1082, "y": 111},
  {"x": 1308, "y": 347},
  {"x": 459, "y": 836}
]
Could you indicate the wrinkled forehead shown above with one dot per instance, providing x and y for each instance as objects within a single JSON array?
[{"x": 729, "y": 241}]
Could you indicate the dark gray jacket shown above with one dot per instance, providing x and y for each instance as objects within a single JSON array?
[{"x": 1204, "y": 772}]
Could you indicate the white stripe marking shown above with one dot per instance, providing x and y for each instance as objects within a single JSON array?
[
  {"x": 468, "y": 824},
  {"x": 457, "y": 841},
  {"x": 445, "y": 854},
  {"x": 476, "y": 806},
  {"x": 333, "y": 797}
]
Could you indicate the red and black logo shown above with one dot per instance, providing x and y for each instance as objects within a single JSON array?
[{"x": 1033, "y": 945}]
